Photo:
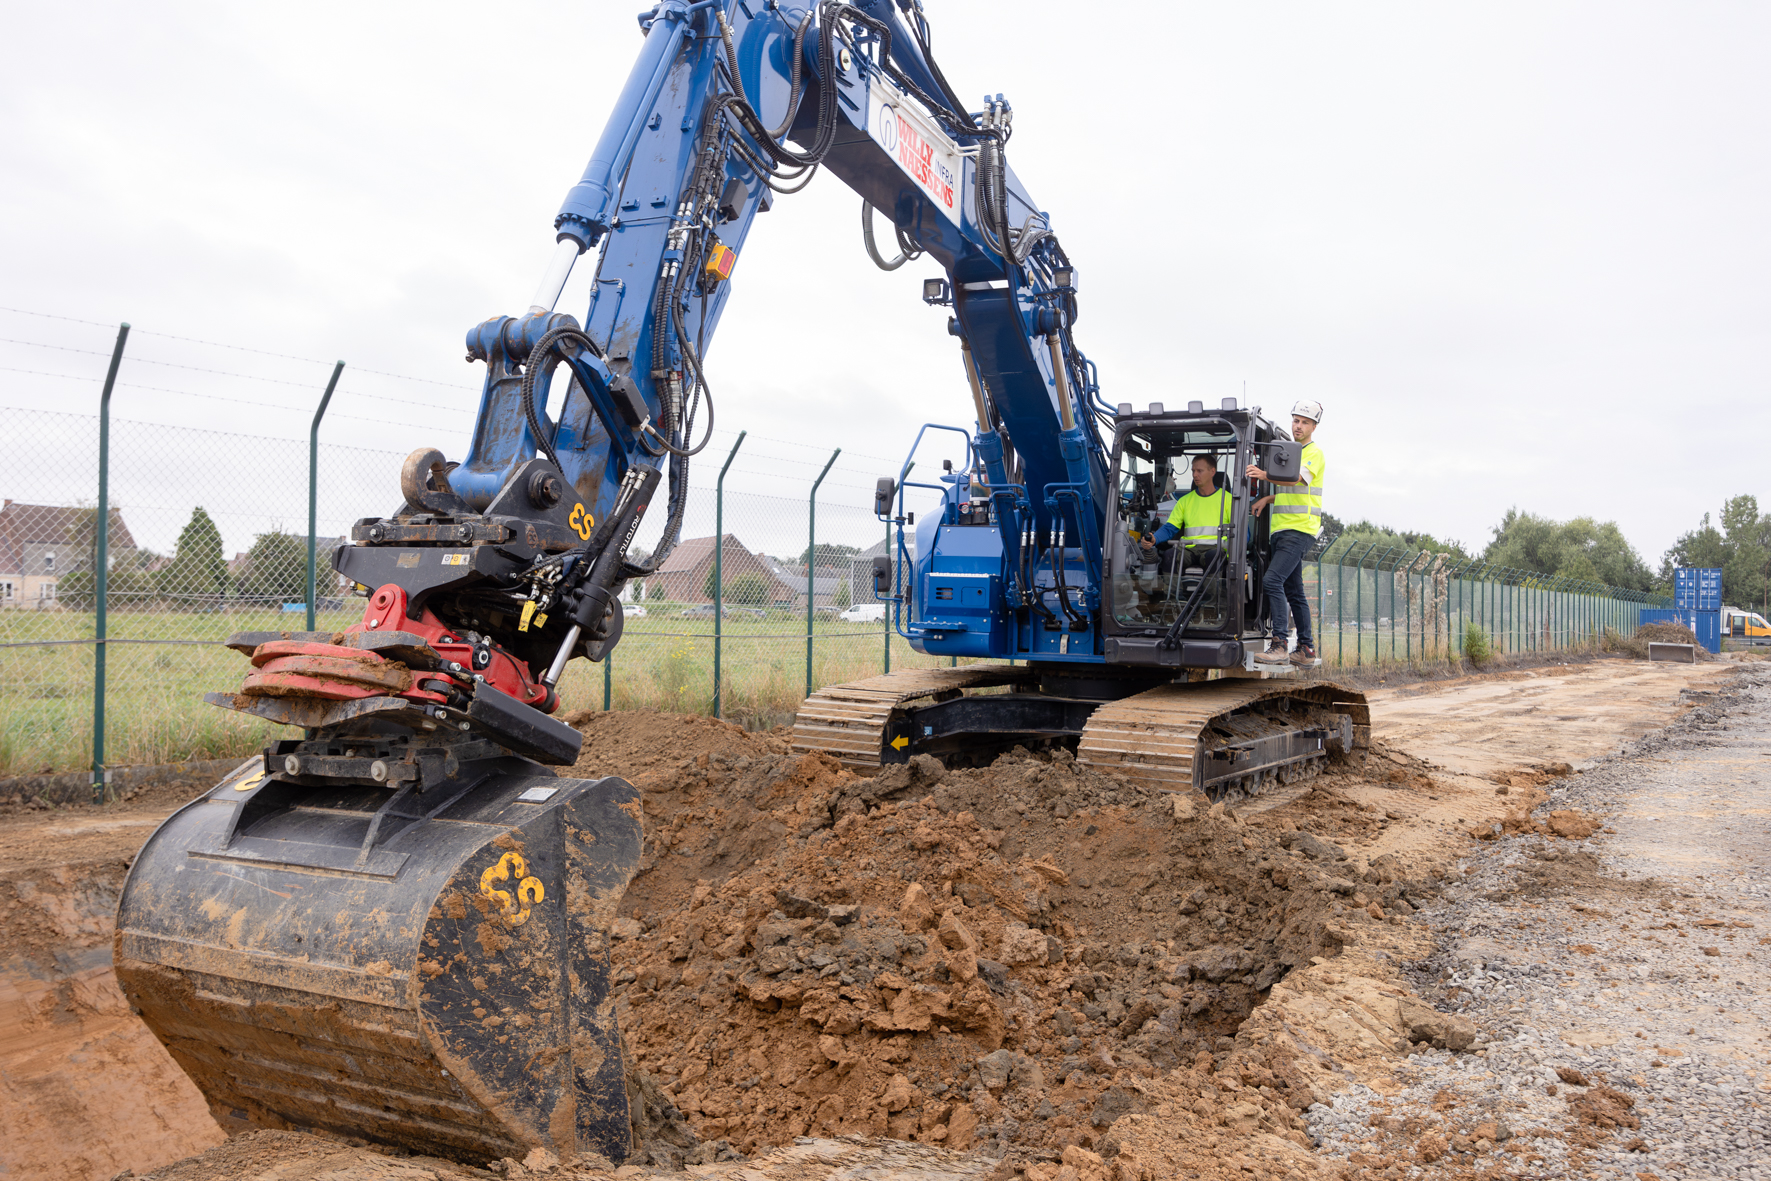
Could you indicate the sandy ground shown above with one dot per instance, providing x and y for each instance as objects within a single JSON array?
[{"x": 85, "y": 1091}]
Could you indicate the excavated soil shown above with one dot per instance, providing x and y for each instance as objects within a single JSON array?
[{"x": 1050, "y": 969}]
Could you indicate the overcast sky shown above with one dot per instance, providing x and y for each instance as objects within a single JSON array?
[{"x": 1519, "y": 251}]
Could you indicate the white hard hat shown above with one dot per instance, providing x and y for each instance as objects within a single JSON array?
[{"x": 1309, "y": 410}]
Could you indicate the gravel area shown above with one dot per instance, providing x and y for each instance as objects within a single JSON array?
[{"x": 1619, "y": 982}]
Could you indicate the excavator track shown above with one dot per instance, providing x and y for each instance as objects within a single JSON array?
[
  {"x": 1228, "y": 738},
  {"x": 1163, "y": 737},
  {"x": 848, "y": 721}
]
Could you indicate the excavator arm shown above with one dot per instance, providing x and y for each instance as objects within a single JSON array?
[{"x": 394, "y": 925}]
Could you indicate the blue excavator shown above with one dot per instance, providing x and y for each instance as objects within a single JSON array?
[{"x": 395, "y": 925}]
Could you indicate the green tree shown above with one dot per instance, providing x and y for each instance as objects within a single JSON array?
[
  {"x": 748, "y": 589},
  {"x": 128, "y": 583},
  {"x": 829, "y": 554},
  {"x": 276, "y": 568},
  {"x": 1361, "y": 536},
  {"x": 839, "y": 598},
  {"x": 1581, "y": 548},
  {"x": 1746, "y": 574},
  {"x": 198, "y": 574},
  {"x": 1741, "y": 548}
]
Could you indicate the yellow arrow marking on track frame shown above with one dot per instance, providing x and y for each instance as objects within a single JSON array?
[{"x": 899, "y": 743}]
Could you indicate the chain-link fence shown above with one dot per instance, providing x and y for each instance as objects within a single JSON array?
[
  {"x": 781, "y": 630},
  {"x": 1380, "y": 603},
  {"x": 208, "y": 535}
]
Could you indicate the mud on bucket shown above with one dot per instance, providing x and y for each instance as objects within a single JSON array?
[{"x": 445, "y": 989}]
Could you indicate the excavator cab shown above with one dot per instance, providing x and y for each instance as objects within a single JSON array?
[{"x": 1193, "y": 601}]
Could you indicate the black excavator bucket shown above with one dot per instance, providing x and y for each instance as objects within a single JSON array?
[{"x": 432, "y": 975}]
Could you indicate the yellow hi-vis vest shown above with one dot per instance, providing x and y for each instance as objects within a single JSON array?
[
  {"x": 1200, "y": 517},
  {"x": 1296, "y": 506}
]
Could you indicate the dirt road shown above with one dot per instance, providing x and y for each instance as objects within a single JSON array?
[
  {"x": 1158, "y": 1034},
  {"x": 1621, "y": 987}
]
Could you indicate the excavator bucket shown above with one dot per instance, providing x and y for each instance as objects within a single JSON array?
[{"x": 431, "y": 973}]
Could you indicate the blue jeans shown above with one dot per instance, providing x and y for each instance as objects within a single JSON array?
[{"x": 1284, "y": 584}]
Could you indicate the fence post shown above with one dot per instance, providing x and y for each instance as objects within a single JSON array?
[
  {"x": 313, "y": 491},
  {"x": 101, "y": 586},
  {"x": 719, "y": 575},
  {"x": 1408, "y": 605},
  {"x": 608, "y": 677},
  {"x": 1359, "y": 612},
  {"x": 812, "y": 561},
  {"x": 1340, "y": 612}
]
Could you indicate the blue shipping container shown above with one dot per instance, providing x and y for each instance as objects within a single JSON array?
[
  {"x": 1707, "y": 625},
  {"x": 1698, "y": 588}
]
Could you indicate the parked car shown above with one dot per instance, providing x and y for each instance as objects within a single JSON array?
[
  {"x": 633, "y": 610},
  {"x": 705, "y": 611},
  {"x": 864, "y": 613}
]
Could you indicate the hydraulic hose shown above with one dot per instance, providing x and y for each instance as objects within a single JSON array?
[
  {"x": 907, "y": 251},
  {"x": 542, "y": 358}
]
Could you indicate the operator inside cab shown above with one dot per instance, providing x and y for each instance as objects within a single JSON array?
[{"x": 1198, "y": 518}]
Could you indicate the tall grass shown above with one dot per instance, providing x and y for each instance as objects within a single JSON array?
[
  {"x": 155, "y": 711},
  {"x": 664, "y": 662}
]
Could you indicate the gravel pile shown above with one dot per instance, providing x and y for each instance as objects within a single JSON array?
[{"x": 1619, "y": 983}]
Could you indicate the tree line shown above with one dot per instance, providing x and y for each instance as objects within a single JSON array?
[
  {"x": 195, "y": 575},
  {"x": 1597, "y": 551}
]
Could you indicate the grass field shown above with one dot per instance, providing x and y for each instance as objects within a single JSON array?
[
  {"x": 156, "y": 678},
  {"x": 162, "y": 663}
]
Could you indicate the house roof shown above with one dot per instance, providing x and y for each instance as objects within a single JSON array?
[
  {"x": 794, "y": 579},
  {"x": 692, "y": 551},
  {"x": 22, "y": 525}
]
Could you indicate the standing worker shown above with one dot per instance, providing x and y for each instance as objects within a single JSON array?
[
  {"x": 1297, "y": 522},
  {"x": 1201, "y": 513}
]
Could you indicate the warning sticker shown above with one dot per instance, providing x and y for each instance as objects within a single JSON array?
[
  {"x": 454, "y": 559},
  {"x": 917, "y": 144}
]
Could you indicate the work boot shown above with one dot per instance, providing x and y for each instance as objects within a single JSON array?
[
  {"x": 1304, "y": 656},
  {"x": 1275, "y": 653}
]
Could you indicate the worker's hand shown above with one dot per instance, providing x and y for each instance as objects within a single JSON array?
[
  {"x": 1260, "y": 506},
  {"x": 1147, "y": 544},
  {"x": 1256, "y": 472}
]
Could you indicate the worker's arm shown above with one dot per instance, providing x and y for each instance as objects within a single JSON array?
[
  {"x": 1256, "y": 472},
  {"x": 1166, "y": 533}
]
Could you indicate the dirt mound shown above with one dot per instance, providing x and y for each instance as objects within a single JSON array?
[
  {"x": 1654, "y": 633},
  {"x": 1001, "y": 956},
  {"x": 640, "y": 745}
]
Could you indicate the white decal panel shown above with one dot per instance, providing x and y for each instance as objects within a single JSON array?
[{"x": 918, "y": 146}]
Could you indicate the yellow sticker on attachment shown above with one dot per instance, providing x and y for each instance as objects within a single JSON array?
[
  {"x": 528, "y": 614},
  {"x": 540, "y": 619},
  {"x": 251, "y": 781},
  {"x": 529, "y": 889}
]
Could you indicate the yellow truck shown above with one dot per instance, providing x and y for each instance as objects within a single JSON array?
[{"x": 1745, "y": 627}]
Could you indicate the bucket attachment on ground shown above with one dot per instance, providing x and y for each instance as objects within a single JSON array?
[{"x": 427, "y": 969}]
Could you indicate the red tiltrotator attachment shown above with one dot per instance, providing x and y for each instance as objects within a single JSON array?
[{"x": 342, "y": 672}]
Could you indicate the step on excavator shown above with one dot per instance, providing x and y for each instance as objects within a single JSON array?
[{"x": 393, "y": 924}]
